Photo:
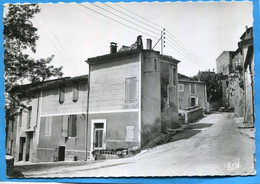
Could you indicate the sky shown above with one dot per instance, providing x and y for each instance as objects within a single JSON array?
[{"x": 196, "y": 33}]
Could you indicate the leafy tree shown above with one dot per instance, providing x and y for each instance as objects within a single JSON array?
[{"x": 20, "y": 35}]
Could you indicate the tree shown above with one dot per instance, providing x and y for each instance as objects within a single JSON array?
[{"x": 20, "y": 35}]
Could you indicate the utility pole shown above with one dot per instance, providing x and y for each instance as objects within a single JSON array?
[{"x": 162, "y": 40}]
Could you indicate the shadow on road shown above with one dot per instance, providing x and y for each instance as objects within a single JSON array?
[
  {"x": 199, "y": 125},
  {"x": 190, "y": 131},
  {"x": 186, "y": 134}
]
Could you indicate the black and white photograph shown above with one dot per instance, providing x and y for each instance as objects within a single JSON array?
[{"x": 150, "y": 89}]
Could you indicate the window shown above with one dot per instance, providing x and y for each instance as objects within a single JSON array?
[
  {"x": 130, "y": 90},
  {"x": 20, "y": 117},
  {"x": 29, "y": 117},
  {"x": 172, "y": 75},
  {"x": 155, "y": 65},
  {"x": 62, "y": 94},
  {"x": 72, "y": 129},
  {"x": 181, "y": 87},
  {"x": 75, "y": 92},
  {"x": 193, "y": 101},
  {"x": 65, "y": 124},
  {"x": 48, "y": 125},
  {"x": 129, "y": 133},
  {"x": 193, "y": 88}
]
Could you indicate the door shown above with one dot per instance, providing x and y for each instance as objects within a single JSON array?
[
  {"x": 98, "y": 135},
  {"x": 21, "y": 149},
  {"x": 61, "y": 153},
  {"x": 29, "y": 146}
]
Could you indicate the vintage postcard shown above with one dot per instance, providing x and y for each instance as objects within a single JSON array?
[{"x": 152, "y": 89}]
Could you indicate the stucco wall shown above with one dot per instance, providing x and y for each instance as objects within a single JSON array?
[
  {"x": 169, "y": 113},
  {"x": 185, "y": 95},
  {"x": 223, "y": 62},
  {"x": 151, "y": 96},
  {"x": 115, "y": 130},
  {"x": 107, "y": 84},
  {"x": 74, "y": 146},
  {"x": 51, "y": 104}
]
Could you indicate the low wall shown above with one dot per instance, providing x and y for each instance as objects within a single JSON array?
[
  {"x": 193, "y": 114},
  {"x": 9, "y": 166}
]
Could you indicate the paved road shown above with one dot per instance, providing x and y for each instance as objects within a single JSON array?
[{"x": 213, "y": 146}]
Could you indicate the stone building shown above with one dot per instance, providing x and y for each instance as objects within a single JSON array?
[
  {"x": 50, "y": 127},
  {"x": 191, "y": 93},
  {"x": 133, "y": 97},
  {"x": 129, "y": 97}
]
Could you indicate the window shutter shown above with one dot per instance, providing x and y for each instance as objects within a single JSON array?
[
  {"x": 70, "y": 126},
  {"x": 62, "y": 94},
  {"x": 133, "y": 90},
  {"x": 170, "y": 95},
  {"x": 48, "y": 124},
  {"x": 74, "y": 126},
  {"x": 129, "y": 133},
  {"x": 76, "y": 92},
  {"x": 127, "y": 90},
  {"x": 64, "y": 131},
  {"x": 170, "y": 76}
]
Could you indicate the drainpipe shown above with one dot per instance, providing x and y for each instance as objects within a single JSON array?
[{"x": 87, "y": 110}]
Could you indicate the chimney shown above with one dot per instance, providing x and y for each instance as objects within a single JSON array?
[
  {"x": 149, "y": 44},
  {"x": 113, "y": 47}
]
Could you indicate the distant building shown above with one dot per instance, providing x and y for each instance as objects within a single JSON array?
[
  {"x": 238, "y": 85},
  {"x": 191, "y": 93}
]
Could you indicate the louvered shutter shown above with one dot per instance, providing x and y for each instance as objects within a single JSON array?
[
  {"x": 62, "y": 94},
  {"x": 133, "y": 90},
  {"x": 70, "y": 126},
  {"x": 74, "y": 126},
  {"x": 170, "y": 76},
  {"x": 76, "y": 92},
  {"x": 127, "y": 90},
  {"x": 170, "y": 95},
  {"x": 65, "y": 126}
]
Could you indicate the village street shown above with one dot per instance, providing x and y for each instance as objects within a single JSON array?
[{"x": 215, "y": 145}]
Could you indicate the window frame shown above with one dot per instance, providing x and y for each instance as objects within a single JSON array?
[
  {"x": 195, "y": 88},
  {"x": 128, "y": 128},
  {"x": 182, "y": 87},
  {"x": 48, "y": 126},
  {"x": 128, "y": 86}
]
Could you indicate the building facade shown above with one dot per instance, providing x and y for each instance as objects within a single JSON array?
[
  {"x": 129, "y": 98},
  {"x": 192, "y": 93},
  {"x": 132, "y": 97},
  {"x": 52, "y": 126}
]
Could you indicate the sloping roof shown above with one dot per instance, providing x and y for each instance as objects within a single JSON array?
[
  {"x": 169, "y": 58},
  {"x": 47, "y": 84},
  {"x": 116, "y": 55}
]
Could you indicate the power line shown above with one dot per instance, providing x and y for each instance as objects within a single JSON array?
[
  {"x": 132, "y": 17},
  {"x": 124, "y": 19},
  {"x": 184, "y": 50},
  {"x": 139, "y": 16},
  {"x": 189, "y": 59},
  {"x": 170, "y": 35},
  {"x": 117, "y": 21},
  {"x": 59, "y": 43},
  {"x": 185, "y": 47},
  {"x": 98, "y": 18},
  {"x": 55, "y": 46}
]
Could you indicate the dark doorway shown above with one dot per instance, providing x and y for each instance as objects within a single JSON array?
[
  {"x": 193, "y": 102},
  {"x": 61, "y": 154},
  {"x": 21, "y": 148},
  {"x": 29, "y": 146}
]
